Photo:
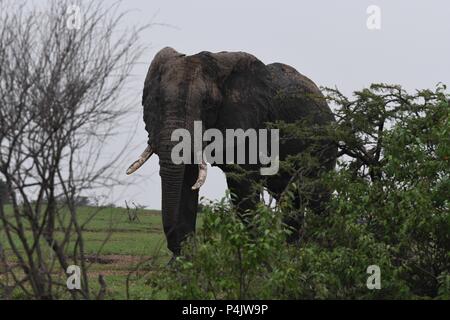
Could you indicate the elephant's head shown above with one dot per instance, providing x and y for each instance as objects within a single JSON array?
[{"x": 179, "y": 90}]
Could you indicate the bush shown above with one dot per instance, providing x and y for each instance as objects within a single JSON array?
[
  {"x": 390, "y": 208},
  {"x": 227, "y": 261}
]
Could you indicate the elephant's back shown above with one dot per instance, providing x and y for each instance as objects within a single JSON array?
[{"x": 296, "y": 96}]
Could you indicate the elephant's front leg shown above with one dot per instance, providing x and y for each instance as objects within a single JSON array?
[{"x": 244, "y": 191}]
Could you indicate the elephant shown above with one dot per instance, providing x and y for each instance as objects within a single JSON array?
[{"x": 223, "y": 90}]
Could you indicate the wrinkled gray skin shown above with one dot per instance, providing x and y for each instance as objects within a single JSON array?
[{"x": 224, "y": 90}]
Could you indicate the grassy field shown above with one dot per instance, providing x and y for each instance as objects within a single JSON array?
[{"x": 115, "y": 247}]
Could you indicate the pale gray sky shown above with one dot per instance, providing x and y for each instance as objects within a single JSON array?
[{"x": 327, "y": 41}]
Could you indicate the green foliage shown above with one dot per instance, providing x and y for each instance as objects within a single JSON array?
[
  {"x": 230, "y": 260},
  {"x": 398, "y": 184},
  {"x": 389, "y": 208},
  {"x": 227, "y": 261}
]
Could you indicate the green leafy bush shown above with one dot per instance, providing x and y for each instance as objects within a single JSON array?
[{"x": 389, "y": 208}]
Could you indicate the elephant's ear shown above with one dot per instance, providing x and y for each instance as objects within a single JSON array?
[
  {"x": 161, "y": 59},
  {"x": 246, "y": 90}
]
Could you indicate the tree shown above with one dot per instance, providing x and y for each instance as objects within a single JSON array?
[
  {"x": 4, "y": 195},
  {"x": 60, "y": 88},
  {"x": 396, "y": 178}
]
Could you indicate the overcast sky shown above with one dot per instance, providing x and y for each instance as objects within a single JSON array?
[{"x": 328, "y": 41}]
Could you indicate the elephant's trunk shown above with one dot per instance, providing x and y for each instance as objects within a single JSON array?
[
  {"x": 171, "y": 189},
  {"x": 172, "y": 179}
]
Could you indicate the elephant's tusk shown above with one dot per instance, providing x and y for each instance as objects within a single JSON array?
[
  {"x": 142, "y": 159},
  {"x": 202, "y": 173}
]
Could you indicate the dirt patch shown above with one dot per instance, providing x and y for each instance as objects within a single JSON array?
[
  {"x": 115, "y": 265},
  {"x": 116, "y": 259},
  {"x": 124, "y": 230},
  {"x": 119, "y": 264}
]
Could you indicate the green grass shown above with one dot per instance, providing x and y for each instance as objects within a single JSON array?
[{"x": 120, "y": 245}]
